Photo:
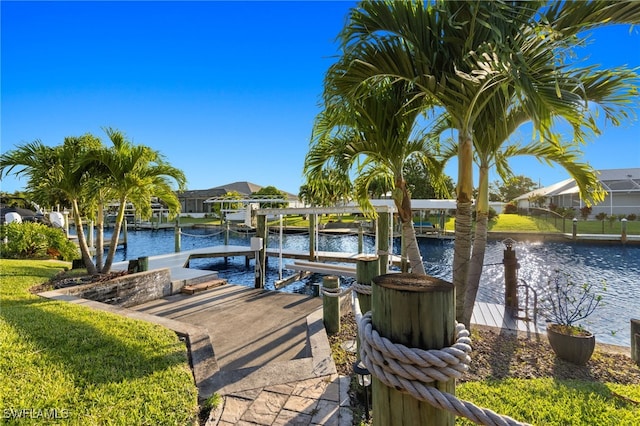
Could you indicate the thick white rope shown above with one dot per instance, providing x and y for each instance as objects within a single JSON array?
[
  {"x": 334, "y": 292},
  {"x": 408, "y": 369},
  {"x": 361, "y": 288}
]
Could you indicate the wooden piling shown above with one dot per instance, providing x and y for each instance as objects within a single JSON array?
[
  {"x": 366, "y": 269},
  {"x": 635, "y": 341},
  {"x": 313, "y": 222},
  {"x": 177, "y": 241},
  {"x": 416, "y": 311},
  {"x": 383, "y": 222},
  {"x": 261, "y": 231},
  {"x": 510, "y": 263},
  {"x": 143, "y": 263},
  {"x": 331, "y": 305}
]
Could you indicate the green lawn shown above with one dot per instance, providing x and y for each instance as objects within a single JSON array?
[
  {"x": 555, "y": 402},
  {"x": 515, "y": 223},
  {"x": 82, "y": 366}
]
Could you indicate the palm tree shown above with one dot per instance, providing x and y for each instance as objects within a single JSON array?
[
  {"x": 609, "y": 90},
  {"x": 55, "y": 178},
  {"x": 462, "y": 54},
  {"x": 373, "y": 135},
  {"x": 134, "y": 174}
]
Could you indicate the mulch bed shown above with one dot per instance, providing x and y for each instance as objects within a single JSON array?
[
  {"x": 499, "y": 355},
  {"x": 63, "y": 280}
]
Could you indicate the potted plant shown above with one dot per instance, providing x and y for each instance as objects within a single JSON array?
[{"x": 567, "y": 303}]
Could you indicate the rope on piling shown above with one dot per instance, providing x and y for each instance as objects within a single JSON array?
[
  {"x": 361, "y": 288},
  {"x": 334, "y": 292},
  {"x": 408, "y": 369}
]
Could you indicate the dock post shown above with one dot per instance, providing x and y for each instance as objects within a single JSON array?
[
  {"x": 574, "y": 230},
  {"x": 635, "y": 341},
  {"x": 360, "y": 239},
  {"x": 331, "y": 304},
  {"x": 313, "y": 223},
  {"x": 226, "y": 239},
  {"x": 261, "y": 256},
  {"x": 366, "y": 269},
  {"x": 510, "y": 263},
  {"x": 623, "y": 232},
  {"x": 143, "y": 263},
  {"x": 177, "y": 243},
  {"x": 416, "y": 311},
  {"x": 383, "y": 240}
]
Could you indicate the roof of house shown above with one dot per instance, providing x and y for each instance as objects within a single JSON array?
[
  {"x": 243, "y": 188},
  {"x": 613, "y": 180}
]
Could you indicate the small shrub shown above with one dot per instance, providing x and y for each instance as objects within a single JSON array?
[
  {"x": 601, "y": 216},
  {"x": 510, "y": 208},
  {"x": 632, "y": 216},
  {"x": 31, "y": 240},
  {"x": 567, "y": 302},
  {"x": 585, "y": 212}
]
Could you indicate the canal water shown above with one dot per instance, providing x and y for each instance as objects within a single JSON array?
[{"x": 616, "y": 266}]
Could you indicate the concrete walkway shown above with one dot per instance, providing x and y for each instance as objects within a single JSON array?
[{"x": 273, "y": 362}]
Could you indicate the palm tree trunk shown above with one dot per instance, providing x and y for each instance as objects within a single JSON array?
[
  {"x": 479, "y": 244},
  {"x": 462, "y": 245},
  {"x": 412, "y": 248},
  {"x": 475, "y": 269},
  {"x": 82, "y": 241},
  {"x": 402, "y": 200},
  {"x": 113, "y": 245},
  {"x": 100, "y": 237}
]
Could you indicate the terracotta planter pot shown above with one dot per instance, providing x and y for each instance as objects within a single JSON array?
[{"x": 576, "y": 349}]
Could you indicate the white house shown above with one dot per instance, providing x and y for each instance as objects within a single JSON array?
[{"x": 622, "y": 186}]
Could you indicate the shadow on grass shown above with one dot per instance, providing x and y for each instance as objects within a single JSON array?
[{"x": 95, "y": 348}]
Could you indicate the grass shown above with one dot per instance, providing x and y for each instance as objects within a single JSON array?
[
  {"x": 515, "y": 223},
  {"x": 555, "y": 402},
  {"x": 83, "y": 366}
]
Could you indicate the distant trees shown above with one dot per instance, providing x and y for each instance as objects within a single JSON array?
[
  {"x": 512, "y": 187},
  {"x": 271, "y": 192}
]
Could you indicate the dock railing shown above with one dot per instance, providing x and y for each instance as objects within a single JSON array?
[{"x": 527, "y": 290}]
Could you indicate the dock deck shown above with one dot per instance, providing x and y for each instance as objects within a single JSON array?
[{"x": 494, "y": 315}]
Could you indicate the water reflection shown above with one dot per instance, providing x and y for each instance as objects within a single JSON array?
[{"x": 618, "y": 266}]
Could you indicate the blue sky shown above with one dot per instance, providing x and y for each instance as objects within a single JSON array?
[{"x": 227, "y": 91}]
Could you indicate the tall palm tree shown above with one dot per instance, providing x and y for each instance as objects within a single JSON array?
[
  {"x": 134, "y": 173},
  {"x": 460, "y": 55},
  {"x": 56, "y": 178},
  {"x": 609, "y": 90},
  {"x": 372, "y": 135}
]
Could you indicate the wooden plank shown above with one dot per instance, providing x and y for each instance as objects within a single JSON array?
[
  {"x": 323, "y": 268},
  {"x": 494, "y": 315},
  {"x": 196, "y": 288}
]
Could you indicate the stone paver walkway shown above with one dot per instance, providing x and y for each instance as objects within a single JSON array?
[{"x": 316, "y": 401}]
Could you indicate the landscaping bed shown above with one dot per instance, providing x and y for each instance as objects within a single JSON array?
[{"x": 522, "y": 378}]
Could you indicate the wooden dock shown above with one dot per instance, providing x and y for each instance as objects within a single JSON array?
[{"x": 494, "y": 315}]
